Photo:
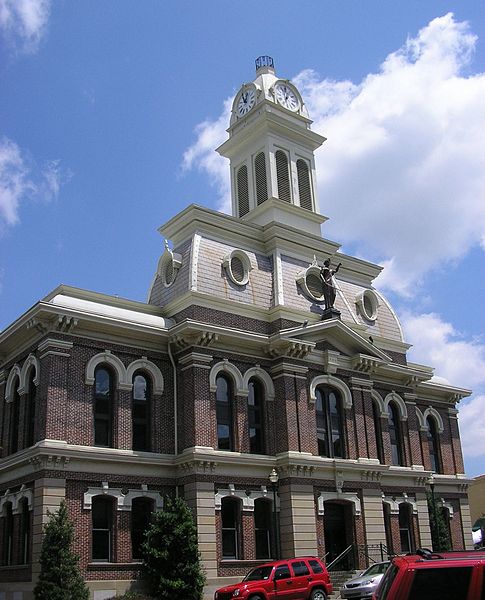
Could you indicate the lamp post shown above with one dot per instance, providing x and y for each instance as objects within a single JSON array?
[{"x": 273, "y": 478}]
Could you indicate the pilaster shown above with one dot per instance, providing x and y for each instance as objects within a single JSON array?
[
  {"x": 298, "y": 528},
  {"x": 423, "y": 521},
  {"x": 466, "y": 523},
  {"x": 48, "y": 493}
]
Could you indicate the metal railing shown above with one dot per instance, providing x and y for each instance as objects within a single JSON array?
[{"x": 340, "y": 557}]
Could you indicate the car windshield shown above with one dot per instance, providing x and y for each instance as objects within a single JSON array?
[
  {"x": 261, "y": 573},
  {"x": 377, "y": 569}
]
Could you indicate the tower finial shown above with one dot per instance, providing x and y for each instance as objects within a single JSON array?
[{"x": 264, "y": 64}]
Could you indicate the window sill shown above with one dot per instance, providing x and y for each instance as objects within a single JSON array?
[{"x": 111, "y": 566}]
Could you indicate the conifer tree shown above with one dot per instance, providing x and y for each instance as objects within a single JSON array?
[
  {"x": 60, "y": 578},
  {"x": 171, "y": 560},
  {"x": 440, "y": 536}
]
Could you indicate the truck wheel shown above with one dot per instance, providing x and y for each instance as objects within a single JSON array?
[{"x": 318, "y": 595}]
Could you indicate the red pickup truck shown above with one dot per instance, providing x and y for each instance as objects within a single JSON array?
[{"x": 302, "y": 578}]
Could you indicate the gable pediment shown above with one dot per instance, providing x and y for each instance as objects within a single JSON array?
[{"x": 335, "y": 337}]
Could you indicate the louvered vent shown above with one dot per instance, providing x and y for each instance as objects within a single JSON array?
[
  {"x": 283, "y": 176},
  {"x": 242, "y": 191},
  {"x": 237, "y": 269},
  {"x": 169, "y": 272},
  {"x": 314, "y": 285},
  {"x": 260, "y": 175},
  {"x": 304, "y": 184}
]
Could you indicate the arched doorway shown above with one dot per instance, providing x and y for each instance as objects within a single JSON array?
[{"x": 338, "y": 525}]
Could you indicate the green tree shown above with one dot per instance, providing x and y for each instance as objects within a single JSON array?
[
  {"x": 171, "y": 560},
  {"x": 440, "y": 535},
  {"x": 60, "y": 578}
]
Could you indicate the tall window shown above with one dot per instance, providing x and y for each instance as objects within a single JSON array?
[
  {"x": 141, "y": 512},
  {"x": 262, "y": 527},
  {"x": 103, "y": 407},
  {"x": 255, "y": 418},
  {"x": 224, "y": 413},
  {"x": 329, "y": 423},
  {"x": 24, "y": 531},
  {"x": 30, "y": 411},
  {"x": 102, "y": 521},
  {"x": 378, "y": 429},
  {"x": 242, "y": 190},
  {"x": 388, "y": 527},
  {"x": 405, "y": 526},
  {"x": 141, "y": 412},
  {"x": 433, "y": 444},
  {"x": 7, "y": 533},
  {"x": 14, "y": 419},
  {"x": 230, "y": 516},
  {"x": 395, "y": 435},
  {"x": 304, "y": 185},
  {"x": 260, "y": 178},
  {"x": 283, "y": 176}
]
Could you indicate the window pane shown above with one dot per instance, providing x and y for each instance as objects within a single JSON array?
[
  {"x": 300, "y": 568},
  {"x": 101, "y": 432},
  {"x": 101, "y": 545},
  {"x": 102, "y": 522},
  {"x": 102, "y": 382},
  {"x": 139, "y": 388},
  {"x": 255, "y": 418},
  {"x": 141, "y": 511},
  {"x": 229, "y": 517},
  {"x": 436, "y": 584},
  {"x": 224, "y": 414}
]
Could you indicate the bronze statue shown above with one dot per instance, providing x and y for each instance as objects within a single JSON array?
[{"x": 329, "y": 291}]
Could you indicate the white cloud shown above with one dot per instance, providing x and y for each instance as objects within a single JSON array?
[
  {"x": 20, "y": 179},
  {"x": 402, "y": 174},
  {"x": 456, "y": 359},
  {"x": 472, "y": 426},
  {"x": 24, "y": 21},
  {"x": 202, "y": 155}
]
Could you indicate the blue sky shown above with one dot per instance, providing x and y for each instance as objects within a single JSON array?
[{"x": 109, "y": 113}]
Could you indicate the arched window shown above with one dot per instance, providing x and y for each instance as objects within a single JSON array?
[
  {"x": 376, "y": 413},
  {"x": 30, "y": 411},
  {"x": 329, "y": 422},
  {"x": 283, "y": 176},
  {"x": 405, "y": 527},
  {"x": 7, "y": 533},
  {"x": 141, "y": 412},
  {"x": 141, "y": 512},
  {"x": 433, "y": 444},
  {"x": 24, "y": 531},
  {"x": 260, "y": 178},
  {"x": 102, "y": 528},
  {"x": 224, "y": 413},
  {"x": 304, "y": 185},
  {"x": 14, "y": 418},
  {"x": 395, "y": 435},
  {"x": 256, "y": 417},
  {"x": 262, "y": 527},
  {"x": 103, "y": 407},
  {"x": 242, "y": 190},
  {"x": 231, "y": 518}
]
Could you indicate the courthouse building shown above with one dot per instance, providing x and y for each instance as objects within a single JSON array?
[{"x": 232, "y": 371}]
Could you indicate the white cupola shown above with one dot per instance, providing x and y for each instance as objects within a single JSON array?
[{"x": 271, "y": 151}]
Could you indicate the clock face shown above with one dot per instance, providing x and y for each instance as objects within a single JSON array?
[
  {"x": 246, "y": 101},
  {"x": 286, "y": 96}
]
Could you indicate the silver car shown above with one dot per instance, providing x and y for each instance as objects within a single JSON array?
[{"x": 366, "y": 583}]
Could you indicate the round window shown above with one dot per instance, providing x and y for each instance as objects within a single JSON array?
[
  {"x": 237, "y": 265},
  {"x": 368, "y": 303},
  {"x": 314, "y": 284}
]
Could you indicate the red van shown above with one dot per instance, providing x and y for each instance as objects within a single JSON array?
[
  {"x": 302, "y": 578},
  {"x": 434, "y": 576}
]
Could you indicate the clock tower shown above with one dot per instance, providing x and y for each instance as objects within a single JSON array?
[{"x": 271, "y": 151}]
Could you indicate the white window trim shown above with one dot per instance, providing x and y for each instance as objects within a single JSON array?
[
  {"x": 14, "y": 373},
  {"x": 246, "y": 261},
  {"x": 332, "y": 382},
  {"x": 123, "y": 501},
  {"x": 247, "y": 499},
  {"x": 348, "y": 497},
  {"x": 15, "y": 497}
]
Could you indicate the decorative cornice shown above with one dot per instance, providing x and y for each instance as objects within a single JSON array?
[{"x": 365, "y": 363}]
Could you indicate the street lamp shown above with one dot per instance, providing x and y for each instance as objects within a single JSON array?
[{"x": 273, "y": 478}]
